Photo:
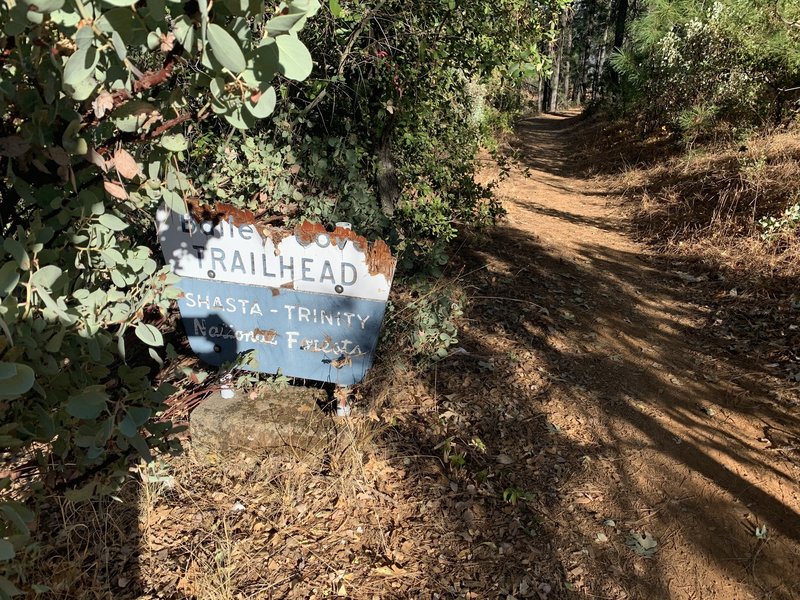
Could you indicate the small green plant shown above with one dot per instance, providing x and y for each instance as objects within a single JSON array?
[
  {"x": 456, "y": 460},
  {"x": 425, "y": 326},
  {"x": 478, "y": 444},
  {"x": 698, "y": 120},
  {"x": 482, "y": 476},
  {"x": 789, "y": 221},
  {"x": 512, "y": 495},
  {"x": 753, "y": 169},
  {"x": 435, "y": 328}
]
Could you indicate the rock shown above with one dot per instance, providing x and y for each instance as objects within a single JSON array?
[{"x": 287, "y": 421}]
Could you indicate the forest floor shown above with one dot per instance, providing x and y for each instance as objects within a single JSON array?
[{"x": 593, "y": 438}]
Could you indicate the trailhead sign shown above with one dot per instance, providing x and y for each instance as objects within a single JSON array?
[{"x": 309, "y": 302}]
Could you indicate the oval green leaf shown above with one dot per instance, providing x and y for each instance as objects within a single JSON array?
[
  {"x": 225, "y": 49},
  {"x": 149, "y": 335},
  {"x": 88, "y": 404},
  {"x": 265, "y": 105},
  {"x": 174, "y": 202},
  {"x": 174, "y": 142},
  {"x": 80, "y": 65},
  {"x": 283, "y": 24},
  {"x": 15, "y": 379},
  {"x": 46, "y": 276},
  {"x": 265, "y": 62},
  {"x": 7, "y": 551},
  {"x": 113, "y": 222},
  {"x": 294, "y": 59},
  {"x": 18, "y": 252},
  {"x": 44, "y": 6},
  {"x": 9, "y": 278}
]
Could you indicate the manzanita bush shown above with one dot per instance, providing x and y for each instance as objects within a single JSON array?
[{"x": 95, "y": 98}]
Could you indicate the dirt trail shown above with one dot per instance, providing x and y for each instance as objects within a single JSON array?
[
  {"x": 587, "y": 403},
  {"x": 675, "y": 437}
]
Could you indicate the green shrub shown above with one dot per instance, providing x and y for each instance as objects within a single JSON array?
[
  {"x": 96, "y": 100},
  {"x": 691, "y": 64}
]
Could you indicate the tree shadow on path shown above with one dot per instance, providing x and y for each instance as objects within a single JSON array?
[{"x": 598, "y": 396}]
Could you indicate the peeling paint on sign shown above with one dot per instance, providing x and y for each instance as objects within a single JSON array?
[{"x": 309, "y": 303}]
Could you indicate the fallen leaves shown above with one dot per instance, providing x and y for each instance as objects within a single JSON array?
[
  {"x": 115, "y": 190},
  {"x": 102, "y": 104}
]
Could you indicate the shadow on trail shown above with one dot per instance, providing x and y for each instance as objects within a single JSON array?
[
  {"x": 571, "y": 376},
  {"x": 537, "y": 144},
  {"x": 600, "y": 223}
]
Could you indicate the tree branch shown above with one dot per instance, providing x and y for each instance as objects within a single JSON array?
[{"x": 348, "y": 48}]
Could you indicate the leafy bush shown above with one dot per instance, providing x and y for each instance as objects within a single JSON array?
[
  {"x": 695, "y": 64},
  {"x": 406, "y": 91},
  {"x": 385, "y": 133},
  {"x": 96, "y": 99}
]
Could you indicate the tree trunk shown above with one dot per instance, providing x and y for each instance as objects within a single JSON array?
[
  {"x": 584, "y": 78},
  {"x": 567, "y": 58},
  {"x": 555, "y": 80},
  {"x": 546, "y": 95},
  {"x": 587, "y": 51},
  {"x": 540, "y": 95},
  {"x": 620, "y": 20},
  {"x": 601, "y": 61},
  {"x": 559, "y": 57}
]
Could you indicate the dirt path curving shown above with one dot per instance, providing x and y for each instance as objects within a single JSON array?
[
  {"x": 588, "y": 438},
  {"x": 677, "y": 439}
]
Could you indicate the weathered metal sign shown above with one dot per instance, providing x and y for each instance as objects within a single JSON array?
[{"x": 309, "y": 302}]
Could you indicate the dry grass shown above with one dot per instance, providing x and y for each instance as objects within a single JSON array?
[
  {"x": 705, "y": 203},
  {"x": 382, "y": 514},
  {"x": 252, "y": 529},
  {"x": 699, "y": 208}
]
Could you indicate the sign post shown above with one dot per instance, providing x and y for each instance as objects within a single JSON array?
[{"x": 309, "y": 303}]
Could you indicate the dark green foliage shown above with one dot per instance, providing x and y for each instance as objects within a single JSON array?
[
  {"x": 694, "y": 65},
  {"x": 398, "y": 106},
  {"x": 94, "y": 99}
]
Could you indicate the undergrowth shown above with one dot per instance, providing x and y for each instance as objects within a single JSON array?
[
  {"x": 730, "y": 204},
  {"x": 727, "y": 211}
]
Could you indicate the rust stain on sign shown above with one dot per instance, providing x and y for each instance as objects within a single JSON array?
[
  {"x": 219, "y": 213},
  {"x": 307, "y": 232},
  {"x": 379, "y": 256},
  {"x": 277, "y": 235},
  {"x": 380, "y": 260},
  {"x": 267, "y": 334}
]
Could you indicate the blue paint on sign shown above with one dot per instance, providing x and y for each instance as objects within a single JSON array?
[{"x": 307, "y": 335}]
